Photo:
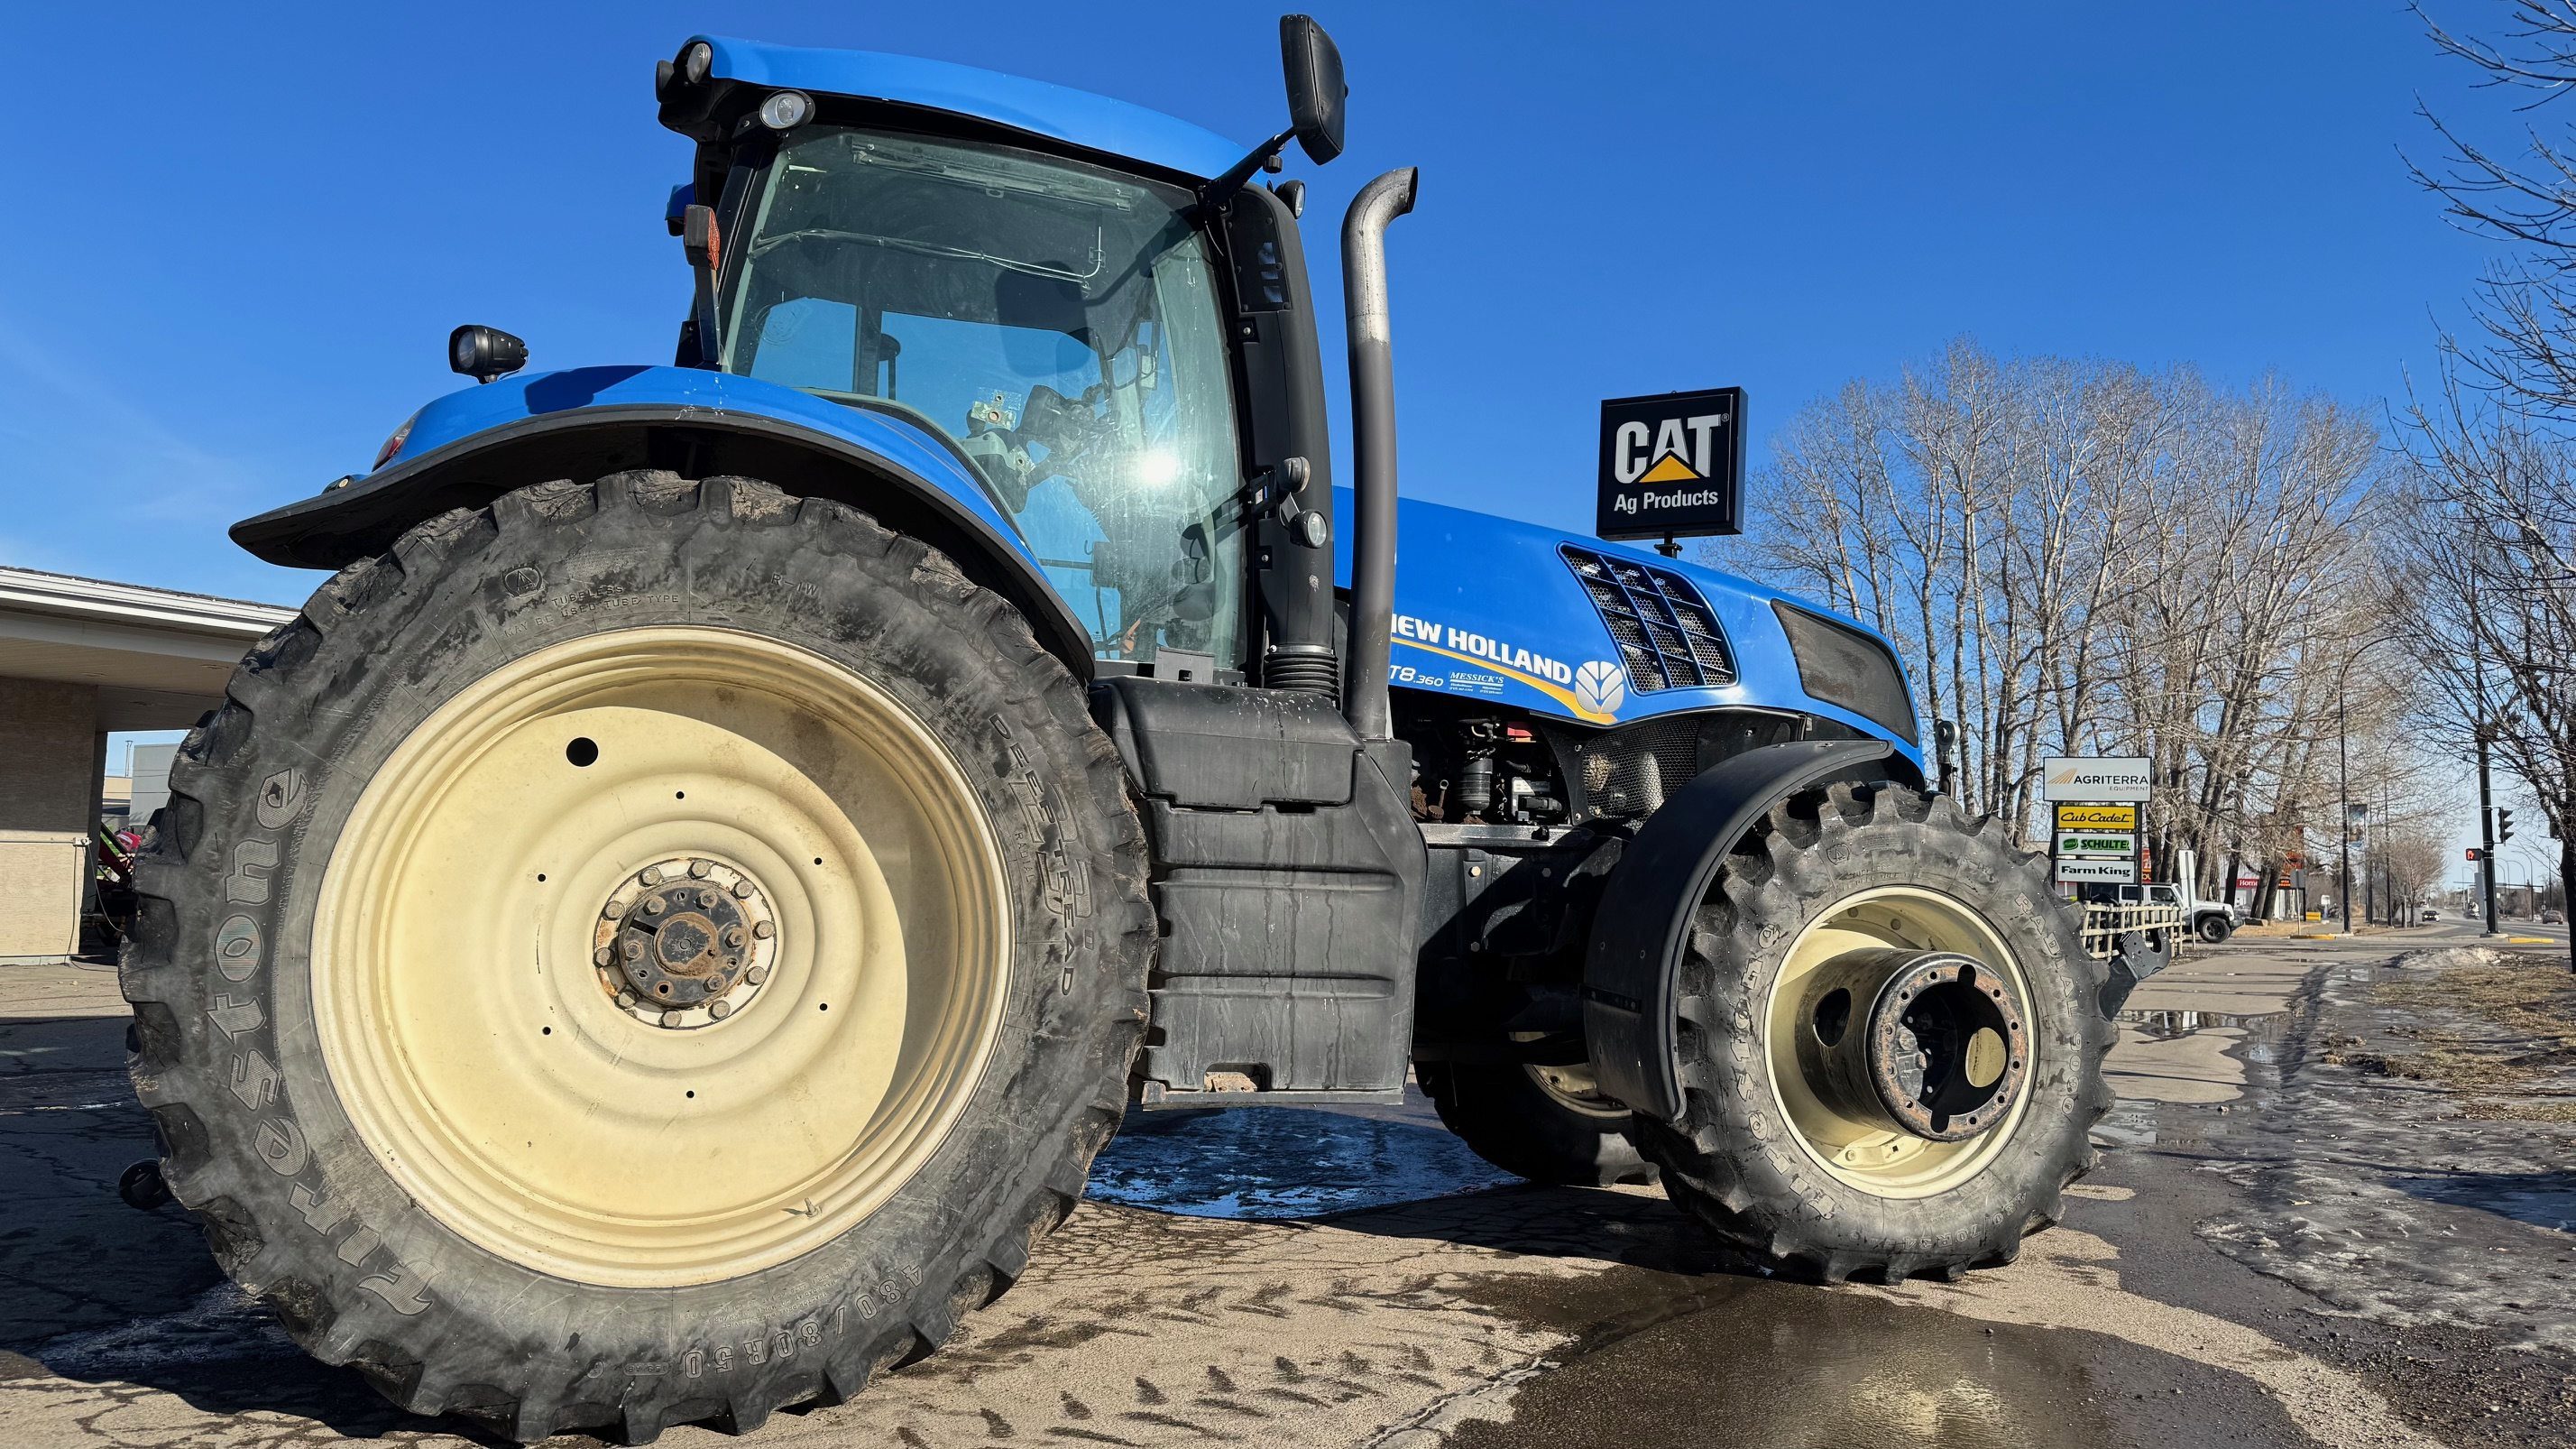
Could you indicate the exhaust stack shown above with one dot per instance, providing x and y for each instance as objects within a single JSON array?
[{"x": 1364, "y": 691}]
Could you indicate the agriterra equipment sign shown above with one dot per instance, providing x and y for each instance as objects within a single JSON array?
[
  {"x": 2107, "y": 778},
  {"x": 1672, "y": 465}
]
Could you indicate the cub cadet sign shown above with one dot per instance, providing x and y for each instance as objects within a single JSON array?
[{"x": 1672, "y": 465}]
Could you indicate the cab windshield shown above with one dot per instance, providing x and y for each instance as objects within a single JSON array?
[{"x": 1058, "y": 321}]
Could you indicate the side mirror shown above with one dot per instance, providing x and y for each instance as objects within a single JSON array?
[
  {"x": 485, "y": 353},
  {"x": 1316, "y": 92}
]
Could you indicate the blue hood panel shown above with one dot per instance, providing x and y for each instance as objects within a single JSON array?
[
  {"x": 1487, "y": 608},
  {"x": 1059, "y": 113}
]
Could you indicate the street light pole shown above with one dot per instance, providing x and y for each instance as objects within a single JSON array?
[
  {"x": 2486, "y": 830},
  {"x": 2343, "y": 774},
  {"x": 2343, "y": 788}
]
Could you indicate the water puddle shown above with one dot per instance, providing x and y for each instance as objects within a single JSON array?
[
  {"x": 2166, "y": 1025},
  {"x": 1282, "y": 1162}
]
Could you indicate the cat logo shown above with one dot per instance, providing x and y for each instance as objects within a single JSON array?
[
  {"x": 1600, "y": 687},
  {"x": 1672, "y": 464},
  {"x": 1669, "y": 451}
]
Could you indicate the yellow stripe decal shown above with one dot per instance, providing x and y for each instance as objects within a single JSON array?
[{"x": 1548, "y": 687}]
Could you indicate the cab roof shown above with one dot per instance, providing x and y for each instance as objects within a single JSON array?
[{"x": 1058, "y": 113}]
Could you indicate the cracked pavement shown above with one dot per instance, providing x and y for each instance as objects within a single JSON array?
[{"x": 1297, "y": 1277}]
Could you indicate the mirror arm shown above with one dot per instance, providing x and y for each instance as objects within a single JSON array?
[{"x": 1219, "y": 191}]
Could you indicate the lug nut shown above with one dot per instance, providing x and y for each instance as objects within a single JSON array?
[
  {"x": 720, "y": 1010},
  {"x": 706, "y": 898},
  {"x": 626, "y": 998},
  {"x": 672, "y": 1020},
  {"x": 698, "y": 868},
  {"x": 602, "y": 956},
  {"x": 652, "y": 905},
  {"x": 742, "y": 889},
  {"x": 763, "y": 929},
  {"x": 633, "y": 949},
  {"x": 650, "y": 875},
  {"x": 756, "y": 975},
  {"x": 733, "y": 937}
]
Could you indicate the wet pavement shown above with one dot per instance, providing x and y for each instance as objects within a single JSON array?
[{"x": 2278, "y": 1249}]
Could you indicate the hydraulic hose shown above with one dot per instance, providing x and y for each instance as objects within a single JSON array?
[{"x": 1364, "y": 692}]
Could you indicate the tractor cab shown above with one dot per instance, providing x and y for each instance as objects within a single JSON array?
[{"x": 1109, "y": 333}]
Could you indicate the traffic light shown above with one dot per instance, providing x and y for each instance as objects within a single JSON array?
[
  {"x": 2504, "y": 825},
  {"x": 2476, "y": 855}
]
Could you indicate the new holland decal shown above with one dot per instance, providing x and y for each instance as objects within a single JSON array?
[{"x": 1593, "y": 691}]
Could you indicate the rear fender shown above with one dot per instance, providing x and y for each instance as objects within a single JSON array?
[
  {"x": 365, "y": 517},
  {"x": 1632, "y": 971}
]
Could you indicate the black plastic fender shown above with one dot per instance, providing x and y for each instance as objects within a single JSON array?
[
  {"x": 1631, "y": 971},
  {"x": 344, "y": 524}
]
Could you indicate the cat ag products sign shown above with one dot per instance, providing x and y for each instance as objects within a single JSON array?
[{"x": 1672, "y": 465}]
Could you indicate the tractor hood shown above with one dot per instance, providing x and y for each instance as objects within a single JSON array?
[{"x": 1490, "y": 608}]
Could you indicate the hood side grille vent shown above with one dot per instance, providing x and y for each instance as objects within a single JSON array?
[{"x": 1667, "y": 636}]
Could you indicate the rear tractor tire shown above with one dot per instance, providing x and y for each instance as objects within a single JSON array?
[
  {"x": 1890, "y": 1052},
  {"x": 644, "y": 952},
  {"x": 1547, "y": 1124}
]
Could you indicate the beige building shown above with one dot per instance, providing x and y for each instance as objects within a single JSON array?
[{"x": 80, "y": 658}]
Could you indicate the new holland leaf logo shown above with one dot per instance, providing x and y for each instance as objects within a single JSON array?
[{"x": 1600, "y": 687}]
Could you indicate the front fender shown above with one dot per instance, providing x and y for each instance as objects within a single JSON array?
[
  {"x": 470, "y": 447},
  {"x": 1631, "y": 973}
]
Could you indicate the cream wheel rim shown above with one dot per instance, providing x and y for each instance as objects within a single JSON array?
[
  {"x": 1868, "y": 1148},
  {"x": 504, "y": 1074}
]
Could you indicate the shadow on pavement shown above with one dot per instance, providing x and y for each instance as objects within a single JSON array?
[
  {"x": 99, "y": 1293},
  {"x": 2542, "y": 1199}
]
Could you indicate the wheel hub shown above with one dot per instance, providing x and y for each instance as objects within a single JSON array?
[
  {"x": 685, "y": 942},
  {"x": 1932, "y": 1041}
]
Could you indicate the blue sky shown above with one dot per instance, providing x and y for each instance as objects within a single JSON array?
[{"x": 249, "y": 229}]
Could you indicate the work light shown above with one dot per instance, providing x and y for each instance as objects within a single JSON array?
[{"x": 786, "y": 110}]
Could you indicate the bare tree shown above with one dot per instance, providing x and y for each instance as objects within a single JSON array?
[
  {"x": 2492, "y": 567},
  {"x": 2490, "y": 591},
  {"x": 2078, "y": 556}
]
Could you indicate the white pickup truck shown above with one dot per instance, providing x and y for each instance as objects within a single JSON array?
[
  {"x": 2212, "y": 921},
  {"x": 2159, "y": 907}
]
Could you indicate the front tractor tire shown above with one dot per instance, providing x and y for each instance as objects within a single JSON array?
[
  {"x": 1890, "y": 1050},
  {"x": 645, "y": 952}
]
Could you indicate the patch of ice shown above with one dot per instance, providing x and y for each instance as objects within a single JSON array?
[{"x": 2447, "y": 958}]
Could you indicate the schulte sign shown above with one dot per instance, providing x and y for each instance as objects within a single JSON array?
[
  {"x": 1672, "y": 465},
  {"x": 2105, "y": 778}
]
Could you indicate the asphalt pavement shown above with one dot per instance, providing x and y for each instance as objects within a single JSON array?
[{"x": 2280, "y": 1248}]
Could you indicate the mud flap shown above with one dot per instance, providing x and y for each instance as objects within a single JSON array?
[
  {"x": 1288, "y": 877},
  {"x": 2134, "y": 962}
]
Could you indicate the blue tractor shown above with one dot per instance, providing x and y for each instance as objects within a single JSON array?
[{"x": 666, "y": 929}]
